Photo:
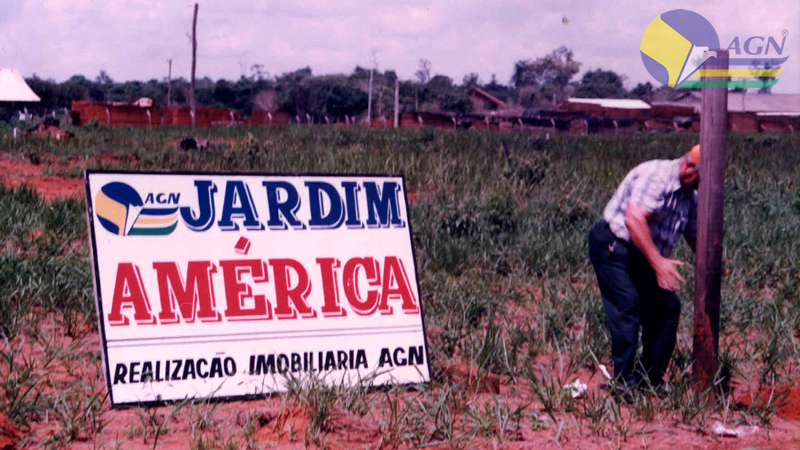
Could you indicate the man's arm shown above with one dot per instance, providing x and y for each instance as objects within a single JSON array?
[{"x": 666, "y": 274}]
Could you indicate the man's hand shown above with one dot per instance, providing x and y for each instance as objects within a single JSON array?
[{"x": 666, "y": 273}]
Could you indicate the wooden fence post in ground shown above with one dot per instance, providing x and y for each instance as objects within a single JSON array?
[{"x": 708, "y": 278}]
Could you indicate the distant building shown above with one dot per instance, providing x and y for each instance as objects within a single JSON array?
[
  {"x": 484, "y": 102},
  {"x": 607, "y": 107},
  {"x": 739, "y": 102}
]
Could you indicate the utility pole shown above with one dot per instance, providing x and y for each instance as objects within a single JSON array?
[
  {"x": 708, "y": 270},
  {"x": 369, "y": 97},
  {"x": 397, "y": 103},
  {"x": 194, "y": 66},
  {"x": 169, "y": 84}
]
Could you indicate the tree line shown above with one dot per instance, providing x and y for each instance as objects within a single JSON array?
[{"x": 542, "y": 82}]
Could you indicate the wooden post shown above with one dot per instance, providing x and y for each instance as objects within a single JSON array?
[
  {"x": 708, "y": 271},
  {"x": 169, "y": 84},
  {"x": 397, "y": 103},
  {"x": 194, "y": 66}
]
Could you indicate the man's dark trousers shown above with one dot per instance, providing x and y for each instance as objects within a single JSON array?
[{"x": 632, "y": 297}]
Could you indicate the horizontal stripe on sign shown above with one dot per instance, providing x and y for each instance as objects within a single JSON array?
[
  {"x": 269, "y": 338},
  {"x": 731, "y": 84},
  {"x": 141, "y": 231},
  {"x": 750, "y": 73},
  {"x": 758, "y": 62},
  {"x": 159, "y": 211},
  {"x": 149, "y": 220},
  {"x": 269, "y": 333}
]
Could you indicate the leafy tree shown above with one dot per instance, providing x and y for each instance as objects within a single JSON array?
[
  {"x": 291, "y": 97},
  {"x": 600, "y": 84},
  {"x": 258, "y": 72},
  {"x": 556, "y": 68},
  {"x": 544, "y": 77},
  {"x": 360, "y": 73},
  {"x": 642, "y": 91},
  {"x": 408, "y": 95},
  {"x": 440, "y": 85},
  {"x": 78, "y": 88},
  {"x": 424, "y": 73},
  {"x": 390, "y": 76},
  {"x": 457, "y": 102},
  {"x": 346, "y": 99},
  {"x": 104, "y": 78},
  {"x": 224, "y": 93},
  {"x": 471, "y": 79}
]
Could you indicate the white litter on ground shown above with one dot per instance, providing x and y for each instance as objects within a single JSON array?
[
  {"x": 742, "y": 430},
  {"x": 577, "y": 388}
]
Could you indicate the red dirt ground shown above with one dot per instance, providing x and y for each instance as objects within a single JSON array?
[
  {"x": 15, "y": 170},
  {"x": 8, "y": 434},
  {"x": 788, "y": 396},
  {"x": 283, "y": 426}
]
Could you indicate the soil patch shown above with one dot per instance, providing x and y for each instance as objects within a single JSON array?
[{"x": 15, "y": 172}]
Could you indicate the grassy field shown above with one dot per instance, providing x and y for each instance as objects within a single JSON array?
[{"x": 510, "y": 299}]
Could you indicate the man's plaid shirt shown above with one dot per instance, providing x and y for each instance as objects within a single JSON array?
[{"x": 655, "y": 186}]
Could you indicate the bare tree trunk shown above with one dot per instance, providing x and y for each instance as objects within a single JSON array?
[
  {"x": 396, "y": 103},
  {"x": 194, "y": 66},
  {"x": 169, "y": 85}
]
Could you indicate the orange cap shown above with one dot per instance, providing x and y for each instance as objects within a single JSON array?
[{"x": 694, "y": 153}]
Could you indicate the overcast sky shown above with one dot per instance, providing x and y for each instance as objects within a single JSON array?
[{"x": 133, "y": 39}]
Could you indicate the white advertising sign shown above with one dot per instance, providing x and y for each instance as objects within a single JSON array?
[{"x": 228, "y": 285}]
